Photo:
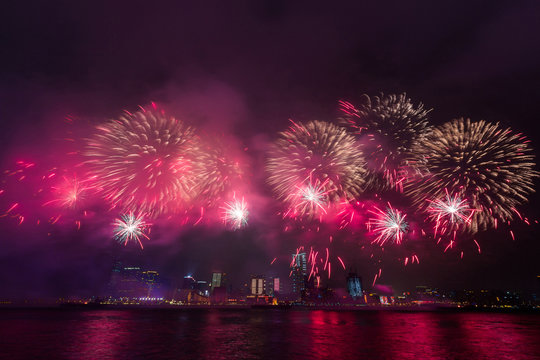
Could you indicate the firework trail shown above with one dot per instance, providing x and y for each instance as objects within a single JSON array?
[
  {"x": 388, "y": 225},
  {"x": 316, "y": 262},
  {"x": 314, "y": 165},
  {"x": 391, "y": 125},
  {"x": 491, "y": 167},
  {"x": 129, "y": 228},
  {"x": 144, "y": 162},
  {"x": 35, "y": 195},
  {"x": 235, "y": 213}
]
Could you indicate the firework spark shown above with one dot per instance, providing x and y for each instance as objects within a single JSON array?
[
  {"x": 129, "y": 228},
  {"x": 391, "y": 124},
  {"x": 490, "y": 166},
  {"x": 68, "y": 193},
  {"x": 320, "y": 159},
  {"x": 143, "y": 162},
  {"x": 309, "y": 199},
  {"x": 388, "y": 225},
  {"x": 235, "y": 213},
  {"x": 449, "y": 213}
]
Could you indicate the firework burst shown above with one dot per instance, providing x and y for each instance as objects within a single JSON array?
[
  {"x": 143, "y": 162},
  {"x": 235, "y": 213},
  {"x": 449, "y": 213},
  {"x": 308, "y": 199},
  {"x": 315, "y": 163},
  {"x": 491, "y": 167},
  {"x": 390, "y": 125},
  {"x": 217, "y": 173},
  {"x": 129, "y": 228},
  {"x": 388, "y": 225},
  {"x": 68, "y": 193}
]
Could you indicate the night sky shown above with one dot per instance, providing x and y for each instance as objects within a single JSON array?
[{"x": 246, "y": 68}]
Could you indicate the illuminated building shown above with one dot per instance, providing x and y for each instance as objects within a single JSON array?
[
  {"x": 273, "y": 286},
  {"x": 299, "y": 272},
  {"x": 134, "y": 282},
  {"x": 354, "y": 285},
  {"x": 153, "y": 283},
  {"x": 257, "y": 285},
  {"x": 189, "y": 282},
  {"x": 203, "y": 288},
  {"x": 219, "y": 279}
]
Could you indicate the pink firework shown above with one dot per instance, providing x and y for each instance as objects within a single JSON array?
[
  {"x": 316, "y": 262},
  {"x": 144, "y": 162},
  {"x": 68, "y": 193},
  {"x": 36, "y": 195},
  {"x": 388, "y": 225},
  {"x": 352, "y": 214},
  {"x": 219, "y": 169}
]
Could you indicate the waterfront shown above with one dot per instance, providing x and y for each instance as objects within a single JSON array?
[{"x": 265, "y": 333}]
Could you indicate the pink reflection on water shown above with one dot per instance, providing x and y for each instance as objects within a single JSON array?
[
  {"x": 100, "y": 335},
  {"x": 498, "y": 336}
]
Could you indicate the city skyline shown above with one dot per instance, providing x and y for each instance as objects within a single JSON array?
[{"x": 237, "y": 82}]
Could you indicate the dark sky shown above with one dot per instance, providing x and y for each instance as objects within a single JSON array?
[{"x": 249, "y": 67}]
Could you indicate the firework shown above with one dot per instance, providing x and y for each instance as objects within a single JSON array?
[
  {"x": 316, "y": 261},
  {"x": 390, "y": 125},
  {"x": 144, "y": 162},
  {"x": 68, "y": 193},
  {"x": 491, "y": 167},
  {"x": 129, "y": 228},
  {"x": 235, "y": 213},
  {"x": 449, "y": 213},
  {"x": 308, "y": 199},
  {"x": 388, "y": 225},
  {"x": 313, "y": 164},
  {"x": 36, "y": 195},
  {"x": 217, "y": 173}
]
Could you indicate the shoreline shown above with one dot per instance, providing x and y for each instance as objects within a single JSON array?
[{"x": 296, "y": 307}]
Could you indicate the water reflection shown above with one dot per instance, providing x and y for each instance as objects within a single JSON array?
[
  {"x": 276, "y": 334},
  {"x": 99, "y": 335}
]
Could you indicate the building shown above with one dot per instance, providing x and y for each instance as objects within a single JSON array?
[
  {"x": 131, "y": 281},
  {"x": 153, "y": 284},
  {"x": 258, "y": 285},
  {"x": 219, "y": 279},
  {"x": 203, "y": 288},
  {"x": 219, "y": 295},
  {"x": 299, "y": 272},
  {"x": 273, "y": 286},
  {"x": 354, "y": 286},
  {"x": 188, "y": 283}
]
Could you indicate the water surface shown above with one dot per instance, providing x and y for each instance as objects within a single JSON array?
[{"x": 265, "y": 334}]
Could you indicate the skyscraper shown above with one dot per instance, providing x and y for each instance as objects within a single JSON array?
[
  {"x": 188, "y": 283},
  {"x": 354, "y": 285},
  {"x": 273, "y": 286},
  {"x": 257, "y": 285},
  {"x": 299, "y": 272},
  {"x": 219, "y": 279}
]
